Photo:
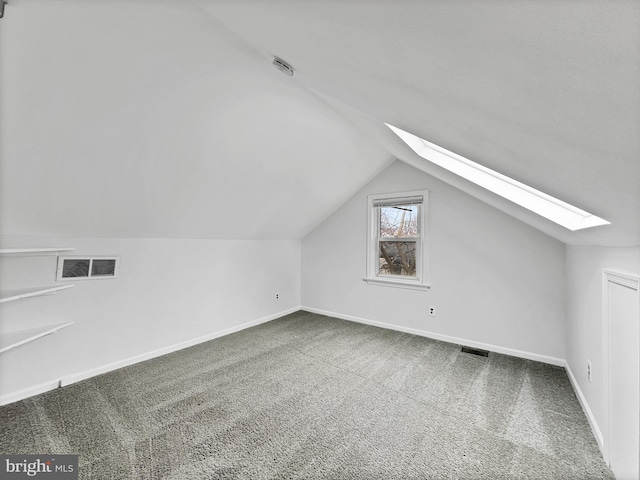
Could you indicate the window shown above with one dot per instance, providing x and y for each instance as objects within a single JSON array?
[
  {"x": 78, "y": 268},
  {"x": 538, "y": 202},
  {"x": 396, "y": 253}
]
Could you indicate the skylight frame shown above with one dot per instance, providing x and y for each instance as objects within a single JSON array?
[{"x": 551, "y": 208}]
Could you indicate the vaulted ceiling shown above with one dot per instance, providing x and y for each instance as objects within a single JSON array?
[
  {"x": 150, "y": 119},
  {"x": 158, "y": 118}
]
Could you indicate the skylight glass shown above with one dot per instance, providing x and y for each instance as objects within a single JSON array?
[{"x": 538, "y": 202}]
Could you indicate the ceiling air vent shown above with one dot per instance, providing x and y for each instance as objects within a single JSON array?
[{"x": 283, "y": 66}]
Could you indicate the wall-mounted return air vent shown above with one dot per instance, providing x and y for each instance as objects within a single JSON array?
[
  {"x": 283, "y": 66},
  {"x": 475, "y": 351},
  {"x": 87, "y": 268}
]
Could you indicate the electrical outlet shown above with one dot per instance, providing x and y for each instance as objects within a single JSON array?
[
  {"x": 277, "y": 296},
  {"x": 589, "y": 370},
  {"x": 432, "y": 311}
]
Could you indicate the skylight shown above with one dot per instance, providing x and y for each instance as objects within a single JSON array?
[{"x": 538, "y": 202}]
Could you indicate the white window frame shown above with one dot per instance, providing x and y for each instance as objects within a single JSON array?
[
  {"x": 91, "y": 258},
  {"x": 373, "y": 277}
]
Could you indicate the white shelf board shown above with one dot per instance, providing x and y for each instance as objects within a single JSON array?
[
  {"x": 11, "y": 340},
  {"x": 33, "y": 251},
  {"x": 11, "y": 295}
]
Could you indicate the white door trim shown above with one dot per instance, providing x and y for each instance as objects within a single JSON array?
[{"x": 627, "y": 280}]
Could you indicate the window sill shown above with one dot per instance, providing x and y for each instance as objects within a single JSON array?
[{"x": 384, "y": 282}]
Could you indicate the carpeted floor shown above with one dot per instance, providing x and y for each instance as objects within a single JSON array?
[{"x": 307, "y": 396}]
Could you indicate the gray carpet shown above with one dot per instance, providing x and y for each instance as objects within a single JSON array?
[{"x": 307, "y": 396}]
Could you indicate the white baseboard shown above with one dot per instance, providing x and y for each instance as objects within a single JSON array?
[
  {"x": 585, "y": 407},
  {"x": 445, "y": 338},
  {"x": 77, "y": 377},
  {"x": 28, "y": 392}
]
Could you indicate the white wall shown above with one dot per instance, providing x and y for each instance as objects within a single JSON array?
[
  {"x": 584, "y": 325},
  {"x": 168, "y": 291},
  {"x": 495, "y": 280}
]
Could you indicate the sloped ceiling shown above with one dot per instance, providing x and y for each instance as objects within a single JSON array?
[
  {"x": 547, "y": 93},
  {"x": 150, "y": 119},
  {"x": 158, "y": 118}
]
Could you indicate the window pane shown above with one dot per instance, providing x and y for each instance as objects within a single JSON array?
[
  {"x": 399, "y": 221},
  {"x": 75, "y": 268},
  {"x": 397, "y": 258},
  {"x": 103, "y": 267}
]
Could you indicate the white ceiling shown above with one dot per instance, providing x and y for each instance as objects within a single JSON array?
[
  {"x": 150, "y": 119},
  {"x": 168, "y": 118}
]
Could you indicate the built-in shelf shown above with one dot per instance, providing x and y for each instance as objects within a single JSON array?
[
  {"x": 11, "y": 295},
  {"x": 10, "y": 340},
  {"x": 33, "y": 251}
]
